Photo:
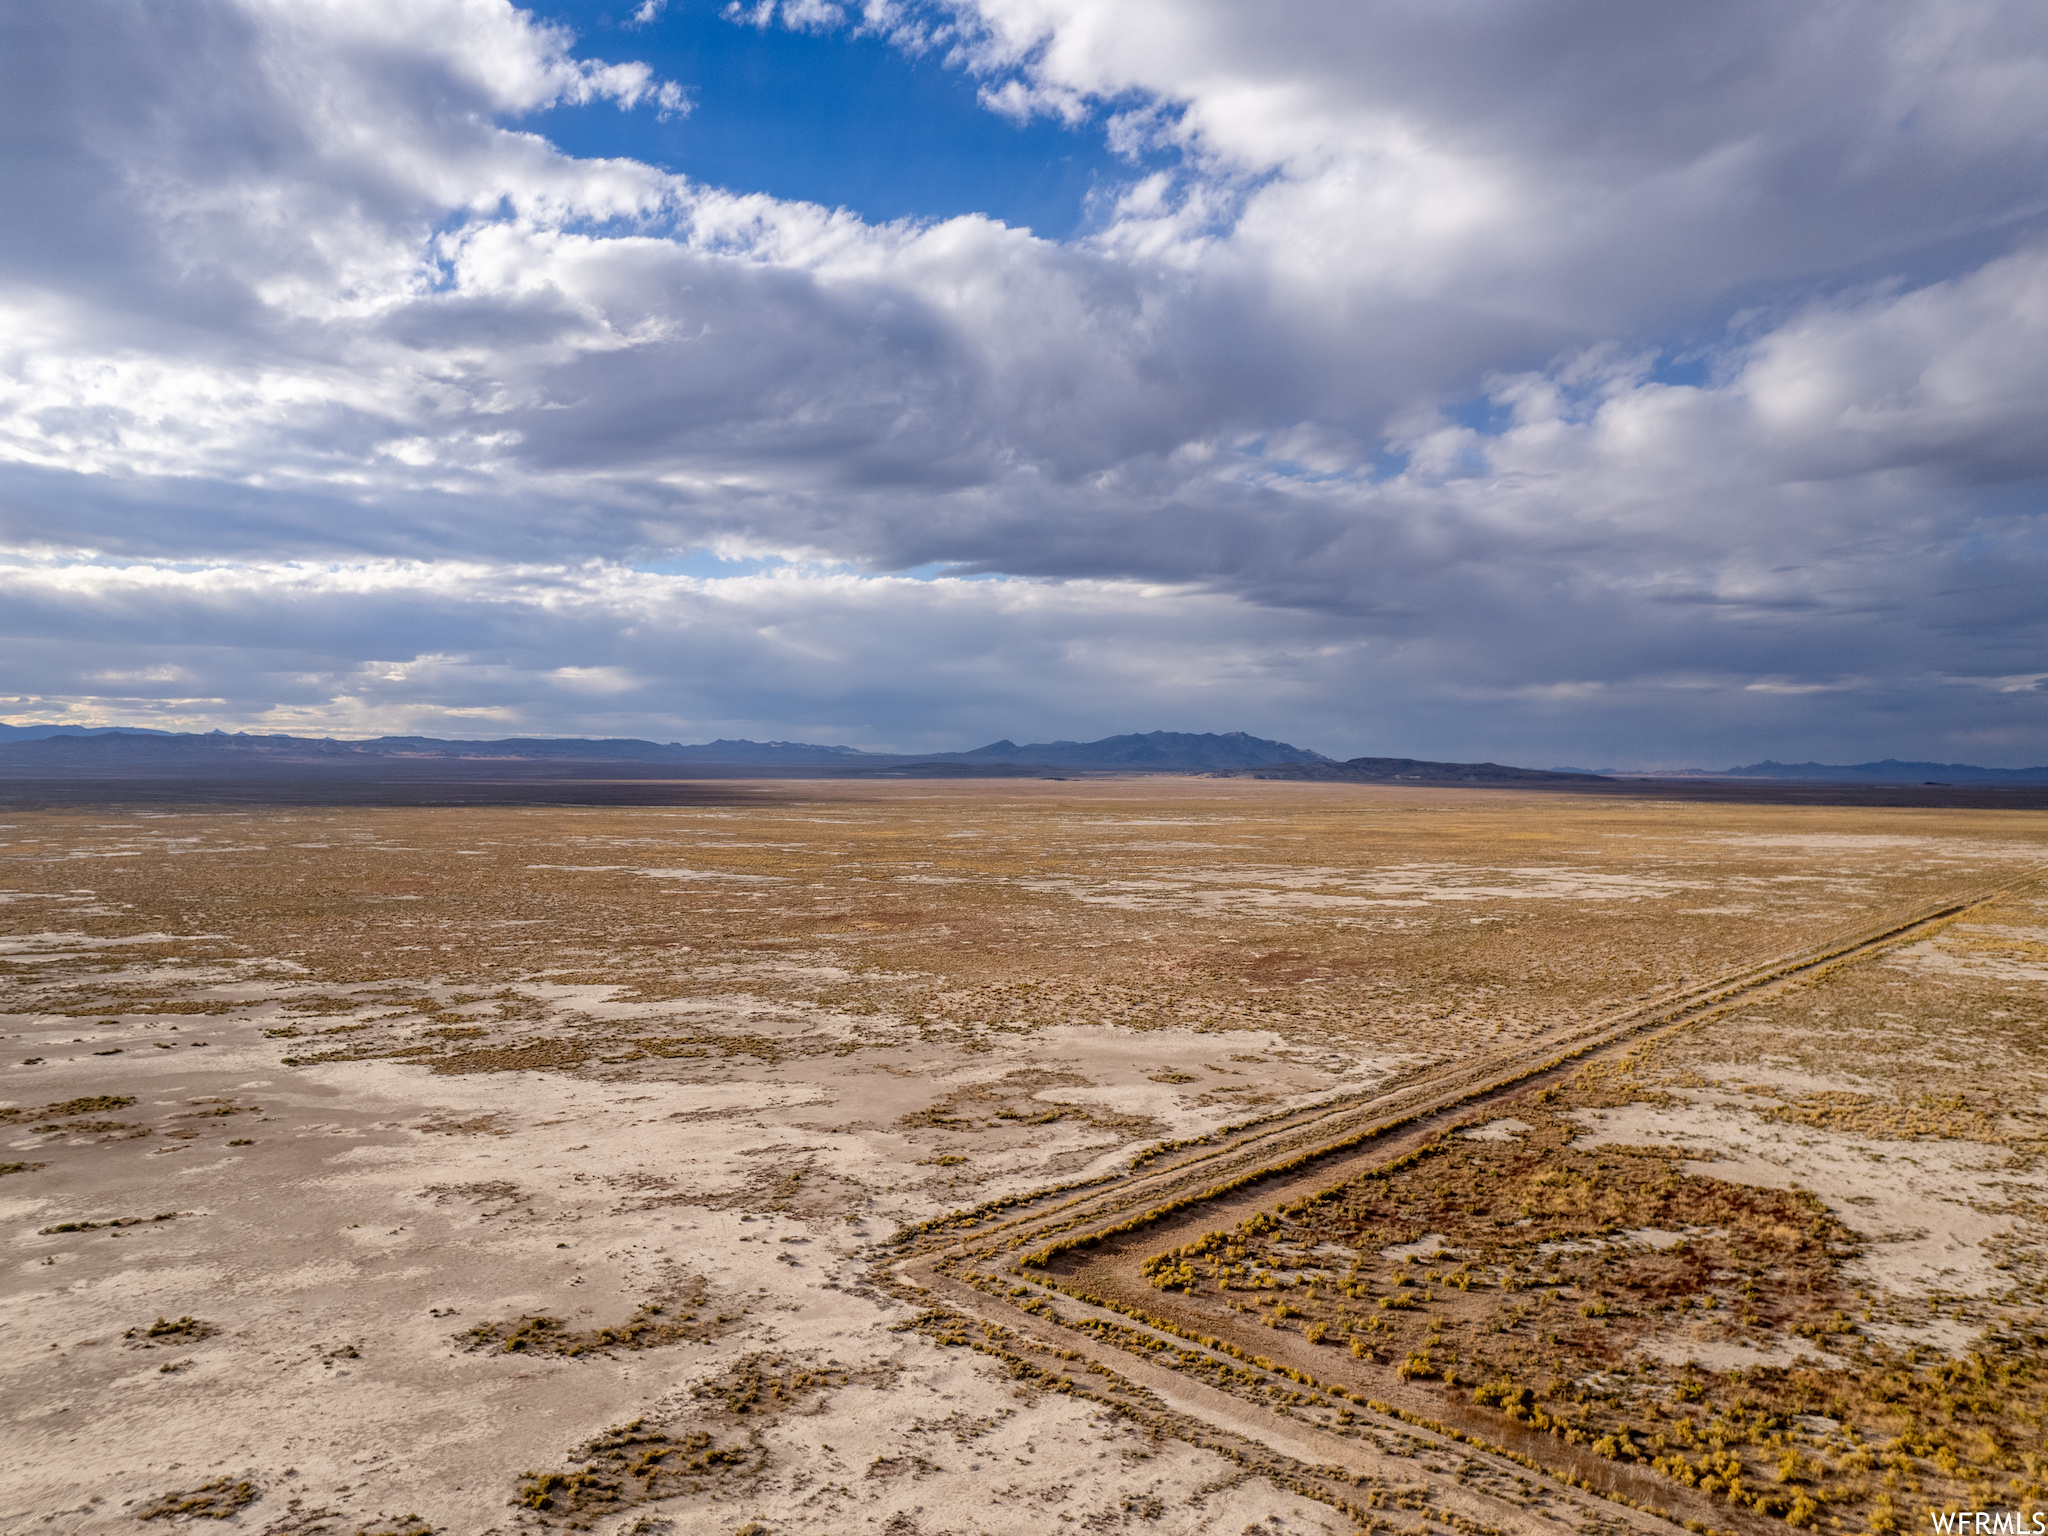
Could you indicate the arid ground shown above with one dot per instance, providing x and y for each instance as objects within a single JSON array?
[{"x": 1157, "y": 1155}]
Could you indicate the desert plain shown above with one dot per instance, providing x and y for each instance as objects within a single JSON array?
[{"x": 1153, "y": 1155}]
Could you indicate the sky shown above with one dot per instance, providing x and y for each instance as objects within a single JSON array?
[{"x": 1555, "y": 381}]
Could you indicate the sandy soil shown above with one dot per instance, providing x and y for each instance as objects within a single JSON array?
[
  {"x": 1791, "y": 1256},
  {"x": 329, "y": 1106}
]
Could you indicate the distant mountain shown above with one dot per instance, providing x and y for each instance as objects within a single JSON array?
[
  {"x": 133, "y": 750},
  {"x": 1161, "y": 750},
  {"x": 1889, "y": 771},
  {"x": 88, "y": 754},
  {"x": 607, "y": 749},
  {"x": 39, "y": 732},
  {"x": 1410, "y": 770},
  {"x": 129, "y": 752},
  {"x": 723, "y": 751}
]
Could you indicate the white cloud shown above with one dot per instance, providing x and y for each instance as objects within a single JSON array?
[
  {"x": 870, "y": 660},
  {"x": 797, "y": 15},
  {"x": 1363, "y": 401}
]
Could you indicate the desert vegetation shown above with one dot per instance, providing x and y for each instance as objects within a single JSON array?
[{"x": 386, "y": 1126}]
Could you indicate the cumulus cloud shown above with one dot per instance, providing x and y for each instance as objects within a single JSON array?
[
  {"x": 1493, "y": 379},
  {"x": 476, "y": 646}
]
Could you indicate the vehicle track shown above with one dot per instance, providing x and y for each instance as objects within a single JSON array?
[
  {"x": 1282, "y": 1159},
  {"x": 1340, "y": 1125}
]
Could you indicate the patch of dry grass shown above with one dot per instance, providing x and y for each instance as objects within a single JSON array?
[
  {"x": 1551, "y": 1275},
  {"x": 637, "y": 1464},
  {"x": 678, "y": 1316}
]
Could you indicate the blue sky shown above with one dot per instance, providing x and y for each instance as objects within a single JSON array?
[
  {"x": 1531, "y": 380},
  {"x": 830, "y": 116}
]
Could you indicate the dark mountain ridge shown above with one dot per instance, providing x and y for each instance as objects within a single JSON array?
[
  {"x": 127, "y": 751},
  {"x": 1410, "y": 770},
  {"x": 130, "y": 749},
  {"x": 1889, "y": 771},
  {"x": 1154, "y": 749},
  {"x": 137, "y": 751},
  {"x": 38, "y": 732}
]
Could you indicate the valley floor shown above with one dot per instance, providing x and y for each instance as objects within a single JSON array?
[{"x": 408, "y": 1170}]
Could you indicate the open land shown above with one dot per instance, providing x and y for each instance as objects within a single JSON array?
[{"x": 917, "y": 1157}]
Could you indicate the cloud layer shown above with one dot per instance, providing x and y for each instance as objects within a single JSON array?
[{"x": 1538, "y": 381}]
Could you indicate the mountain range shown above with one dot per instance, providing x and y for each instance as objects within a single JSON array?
[
  {"x": 58, "y": 749},
  {"x": 1410, "y": 770},
  {"x": 127, "y": 750},
  {"x": 1888, "y": 771},
  {"x": 40, "y": 732},
  {"x": 1177, "y": 751}
]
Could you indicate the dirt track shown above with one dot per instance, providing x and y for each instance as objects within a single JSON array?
[{"x": 1091, "y": 1248}]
